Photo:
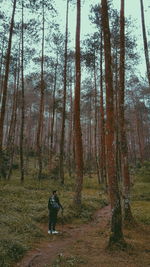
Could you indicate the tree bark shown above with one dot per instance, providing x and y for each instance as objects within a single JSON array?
[
  {"x": 61, "y": 160},
  {"x": 123, "y": 141},
  {"x": 1, "y": 69},
  {"x": 116, "y": 220},
  {"x": 41, "y": 113},
  {"x": 22, "y": 103},
  {"x": 4, "y": 98},
  {"x": 103, "y": 177},
  {"x": 145, "y": 42},
  {"x": 70, "y": 135},
  {"x": 77, "y": 125},
  {"x": 95, "y": 124},
  {"x": 53, "y": 117}
]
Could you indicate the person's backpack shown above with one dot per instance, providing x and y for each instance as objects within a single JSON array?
[{"x": 53, "y": 204}]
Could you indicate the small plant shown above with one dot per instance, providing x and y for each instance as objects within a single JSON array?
[
  {"x": 64, "y": 261},
  {"x": 11, "y": 250},
  {"x": 4, "y": 163}
]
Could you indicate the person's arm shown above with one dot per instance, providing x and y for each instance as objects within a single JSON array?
[
  {"x": 57, "y": 200},
  {"x": 49, "y": 203}
]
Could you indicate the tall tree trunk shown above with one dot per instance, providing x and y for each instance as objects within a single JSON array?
[
  {"x": 41, "y": 113},
  {"x": 61, "y": 160},
  {"x": 1, "y": 69},
  {"x": 116, "y": 112},
  {"x": 102, "y": 122},
  {"x": 53, "y": 118},
  {"x": 70, "y": 135},
  {"x": 2, "y": 115},
  {"x": 12, "y": 129},
  {"x": 89, "y": 138},
  {"x": 139, "y": 134},
  {"x": 22, "y": 102},
  {"x": 77, "y": 125},
  {"x": 10, "y": 132},
  {"x": 145, "y": 42},
  {"x": 116, "y": 220},
  {"x": 123, "y": 141},
  {"x": 95, "y": 125}
]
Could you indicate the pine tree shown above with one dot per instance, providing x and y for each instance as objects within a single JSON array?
[
  {"x": 116, "y": 220},
  {"x": 77, "y": 125}
]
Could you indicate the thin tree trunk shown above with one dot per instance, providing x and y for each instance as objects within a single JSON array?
[
  {"x": 22, "y": 103},
  {"x": 70, "y": 135},
  {"x": 53, "y": 118},
  {"x": 1, "y": 70},
  {"x": 4, "y": 98},
  {"x": 116, "y": 105},
  {"x": 139, "y": 134},
  {"x": 123, "y": 141},
  {"x": 12, "y": 130},
  {"x": 77, "y": 125},
  {"x": 89, "y": 138},
  {"x": 102, "y": 122},
  {"x": 116, "y": 220},
  {"x": 95, "y": 125},
  {"x": 61, "y": 160},
  {"x": 41, "y": 113},
  {"x": 145, "y": 42}
]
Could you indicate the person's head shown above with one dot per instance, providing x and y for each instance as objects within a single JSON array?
[{"x": 54, "y": 192}]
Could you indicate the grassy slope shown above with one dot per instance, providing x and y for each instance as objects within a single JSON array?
[
  {"x": 24, "y": 206},
  {"x": 141, "y": 194}
]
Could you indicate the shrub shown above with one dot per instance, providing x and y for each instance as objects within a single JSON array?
[{"x": 11, "y": 250}]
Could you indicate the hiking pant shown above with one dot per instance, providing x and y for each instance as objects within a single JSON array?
[{"x": 52, "y": 219}]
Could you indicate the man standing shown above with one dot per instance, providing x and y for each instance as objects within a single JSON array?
[{"x": 53, "y": 205}]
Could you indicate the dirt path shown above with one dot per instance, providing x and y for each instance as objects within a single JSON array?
[
  {"x": 45, "y": 254},
  {"x": 85, "y": 245}
]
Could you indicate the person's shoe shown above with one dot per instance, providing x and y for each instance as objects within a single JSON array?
[
  {"x": 55, "y": 232},
  {"x": 50, "y": 232}
]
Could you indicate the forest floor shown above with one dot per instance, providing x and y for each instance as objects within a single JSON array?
[{"x": 86, "y": 245}]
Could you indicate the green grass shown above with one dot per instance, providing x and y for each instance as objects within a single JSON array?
[
  {"x": 68, "y": 261},
  {"x": 24, "y": 207},
  {"x": 141, "y": 211},
  {"x": 141, "y": 194},
  {"x": 143, "y": 172}
]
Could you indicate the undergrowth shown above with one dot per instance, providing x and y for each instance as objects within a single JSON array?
[
  {"x": 141, "y": 194},
  {"x": 24, "y": 207}
]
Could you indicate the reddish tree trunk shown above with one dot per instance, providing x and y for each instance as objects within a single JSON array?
[
  {"x": 95, "y": 125},
  {"x": 2, "y": 115},
  {"x": 53, "y": 118},
  {"x": 77, "y": 125},
  {"x": 116, "y": 221},
  {"x": 61, "y": 162}
]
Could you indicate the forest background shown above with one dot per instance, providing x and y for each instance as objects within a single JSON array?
[{"x": 55, "y": 121}]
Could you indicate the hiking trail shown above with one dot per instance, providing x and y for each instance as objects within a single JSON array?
[
  {"x": 48, "y": 251},
  {"x": 85, "y": 245}
]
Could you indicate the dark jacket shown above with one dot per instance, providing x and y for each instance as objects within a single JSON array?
[{"x": 56, "y": 200}]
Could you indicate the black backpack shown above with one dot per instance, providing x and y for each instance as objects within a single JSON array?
[{"x": 53, "y": 204}]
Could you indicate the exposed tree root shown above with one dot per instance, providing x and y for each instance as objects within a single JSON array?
[{"x": 116, "y": 244}]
